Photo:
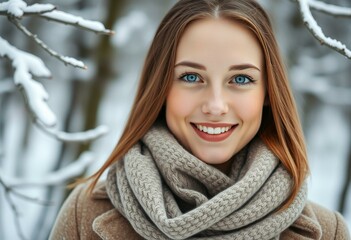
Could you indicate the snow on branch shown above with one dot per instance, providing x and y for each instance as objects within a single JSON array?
[
  {"x": 66, "y": 60},
  {"x": 88, "y": 135},
  {"x": 70, "y": 19},
  {"x": 55, "y": 178},
  {"x": 26, "y": 66},
  {"x": 317, "y": 32},
  {"x": 13, "y": 207},
  {"x": 330, "y": 9},
  {"x": 18, "y": 8},
  {"x": 62, "y": 175}
]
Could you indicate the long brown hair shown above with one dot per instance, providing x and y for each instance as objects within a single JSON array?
[{"x": 280, "y": 128}]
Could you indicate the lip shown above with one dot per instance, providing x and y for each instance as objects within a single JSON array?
[{"x": 214, "y": 137}]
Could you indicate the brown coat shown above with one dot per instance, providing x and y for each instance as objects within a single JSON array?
[{"x": 93, "y": 217}]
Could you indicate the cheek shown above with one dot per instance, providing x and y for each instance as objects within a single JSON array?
[
  {"x": 250, "y": 109},
  {"x": 178, "y": 104}
]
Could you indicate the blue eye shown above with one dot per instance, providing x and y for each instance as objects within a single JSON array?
[
  {"x": 190, "y": 77},
  {"x": 242, "y": 80}
]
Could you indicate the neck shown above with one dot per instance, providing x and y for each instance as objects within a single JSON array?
[{"x": 224, "y": 167}]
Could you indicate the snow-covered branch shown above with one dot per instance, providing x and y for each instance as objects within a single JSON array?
[
  {"x": 62, "y": 175},
  {"x": 18, "y": 8},
  {"x": 330, "y": 9},
  {"x": 66, "y": 60},
  {"x": 8, "y": 191},
  {"x": 70, "y": 19},
  {"x": 317, "y": 31},
  {"x": 26, "y": 66},
  {"x": 27, "y": 69},
  {"x": 55, "y": 178},
  {"x": 14, "y": 209},
  {"x": 86, "y": 136}
]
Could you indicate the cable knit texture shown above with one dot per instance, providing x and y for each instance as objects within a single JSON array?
[{"x": 167, "y": 193}]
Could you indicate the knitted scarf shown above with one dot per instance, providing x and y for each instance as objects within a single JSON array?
[{"x": 167, "y": 193}]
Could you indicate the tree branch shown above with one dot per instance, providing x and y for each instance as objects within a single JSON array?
[
  {"x": 54, "y": 178},
  {"x": 333, "y": 10},
  {"x": 70, "y": 19},
  {"x": 26, "y": 65},
  {"x": 66, "y": 60},
  {"x": 317, "y": 32},
  {"x": 86, "y": 136},
  {"x": 18, "y": 8},
  {"x": 15, "y": 213},
  {"x": 8, "y": 190}
]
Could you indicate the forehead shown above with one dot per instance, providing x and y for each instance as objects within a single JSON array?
[{"x": 219, "y": 39}]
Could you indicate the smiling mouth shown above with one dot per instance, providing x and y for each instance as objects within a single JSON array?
[{"x": 213, "y": 132}]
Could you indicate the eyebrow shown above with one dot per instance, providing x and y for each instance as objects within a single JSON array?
[
  {"x": 191, "y": 64},
  {"x": 202, "y": 67}
]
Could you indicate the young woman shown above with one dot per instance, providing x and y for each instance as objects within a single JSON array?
[{"x": 213, "y": 148}]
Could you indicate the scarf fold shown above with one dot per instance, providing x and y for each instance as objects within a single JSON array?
[{"x": 167, "y": 193}]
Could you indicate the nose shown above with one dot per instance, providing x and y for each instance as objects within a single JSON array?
[{"x": 215, "y": 103}]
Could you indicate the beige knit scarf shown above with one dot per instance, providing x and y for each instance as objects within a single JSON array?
[{"x": 167, "y": 193}]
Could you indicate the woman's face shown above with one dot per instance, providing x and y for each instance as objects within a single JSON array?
[{"x": 214, "y": 107}]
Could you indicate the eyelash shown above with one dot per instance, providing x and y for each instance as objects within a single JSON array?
[
  {"x": 251, "y": 80},
  {"x": 181, "y": 77}
]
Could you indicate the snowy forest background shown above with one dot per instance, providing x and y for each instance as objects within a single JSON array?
[{"x": 38, "y": 160}]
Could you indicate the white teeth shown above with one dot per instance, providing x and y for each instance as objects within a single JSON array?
[{"x": 213, "y": 131}]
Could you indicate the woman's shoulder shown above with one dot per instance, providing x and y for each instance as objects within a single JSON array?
[
  {"x": 90, "y": 216},
  {"x": 332, "y": 223},
  {"x": 318, "y": 222}
]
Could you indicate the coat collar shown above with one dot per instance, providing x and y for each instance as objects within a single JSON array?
[{"x": 111, "y": 224}]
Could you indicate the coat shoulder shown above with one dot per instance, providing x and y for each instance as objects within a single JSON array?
[
  {"x": 88, "y": 216},
  {"x": 332, "y": 223},
  {"x": 317, "y": 222}
]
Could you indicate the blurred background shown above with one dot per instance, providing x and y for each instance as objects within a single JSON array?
[{"x": 103, "y": 94}]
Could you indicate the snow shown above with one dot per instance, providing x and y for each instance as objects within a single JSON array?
[
  {"x": 26, "y": 64},
  {"x": 317, "y": 31},
  {"x": 72, "y": 170},
  {"x": 39, "y": 8},
  {"x": 14, "y": 7},
  {"x": 72, "y": 19},
  {"x": 329, "y": 8},
  {"x": 86, "y": 136},
  {"x": 74, "y": 62},
  {"x": 18, "y": 7}
]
